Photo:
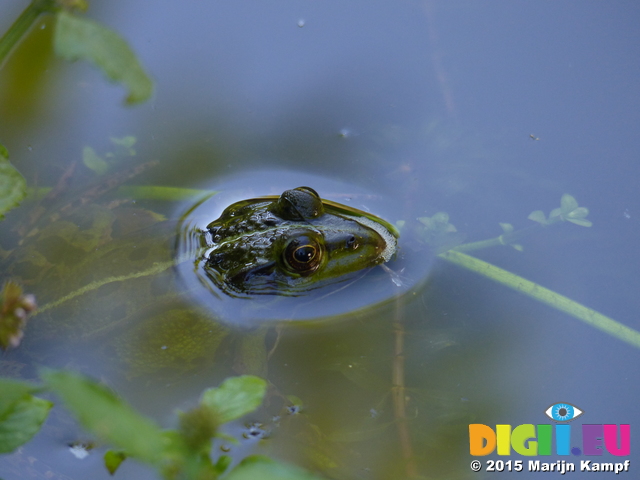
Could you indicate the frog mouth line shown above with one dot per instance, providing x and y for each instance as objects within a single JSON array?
[{"x": 388, "y": 237}]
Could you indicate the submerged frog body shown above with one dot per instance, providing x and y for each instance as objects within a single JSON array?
[{"x": 292, "y": 244}]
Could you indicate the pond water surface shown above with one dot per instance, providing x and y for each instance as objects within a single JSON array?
[{"x": 485, "y": 111}]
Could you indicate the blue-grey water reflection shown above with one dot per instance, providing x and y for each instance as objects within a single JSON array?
[{"x": 486, "y": 111}]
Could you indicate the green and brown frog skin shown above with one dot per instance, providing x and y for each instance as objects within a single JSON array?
[{"x": 293, "y": 244}]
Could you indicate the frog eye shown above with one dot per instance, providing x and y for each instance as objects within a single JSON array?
[
  {"x": 303, "y": 255},
  {"x": 302, "y": 203}
]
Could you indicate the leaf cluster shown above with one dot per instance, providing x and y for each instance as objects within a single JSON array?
[
  {"x": 568, "y": 211},
  {"x": 75, "y": 38},
  {"x": 182, "y": 453},
  {"x": 102, "y": 164}
]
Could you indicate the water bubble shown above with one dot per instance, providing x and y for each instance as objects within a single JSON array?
[
  {"x": 255, "y": 430},
  {"x": 80, "y": 450},
  {"x": 301, "y": 23}
]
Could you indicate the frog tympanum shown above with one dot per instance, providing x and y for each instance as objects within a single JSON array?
[{"x": 292, "y": 244}]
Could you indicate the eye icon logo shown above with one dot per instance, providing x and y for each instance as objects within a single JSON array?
[{"x": 563, "y": 412}]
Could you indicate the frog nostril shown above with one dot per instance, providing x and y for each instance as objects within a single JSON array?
[{"x": 352, "y": 242}]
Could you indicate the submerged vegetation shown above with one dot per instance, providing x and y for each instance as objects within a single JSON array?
[
  {"x": 183, "y": 452},
  {"x": 186, "y": 451},
  {"x": 77, "y": 38}
]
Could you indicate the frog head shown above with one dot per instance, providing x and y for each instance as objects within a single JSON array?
[{"x": 293, "y": 244}]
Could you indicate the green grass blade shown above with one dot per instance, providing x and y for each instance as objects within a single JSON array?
[{"x": 544, "y": 295}]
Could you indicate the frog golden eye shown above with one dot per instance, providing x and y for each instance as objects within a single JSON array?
[{"x": 303, "y": 255}]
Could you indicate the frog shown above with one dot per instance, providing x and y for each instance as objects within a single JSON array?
[{"x": 293, "y": 244}]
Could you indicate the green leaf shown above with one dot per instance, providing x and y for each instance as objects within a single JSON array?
[
  {"x": 438, "y": 223},
  {"x": 295, "y": 401},
  {"x": 107, "y": 416},
  {"x": 236, "y": 397},
  {"x": 568, "y": 203},
  {"x": 13, "y": 187},
  {"x": 197, "y": 426},
  {"x": 426, "y": 221},
  {"x": 441, "y": 217},
  {"x": 93, "y": 161},
  {"x": 223, "y": 463},
  {"x": 21, "y": 421},
  {"x": 264, "y": 468},
  {"x": 227, "y": 438},
  {"x": 580, "y": 212},
  {"x": 506, "y": 227},
  {"x": 13, "y": 390},
  {"x": 555, "y": 213},
  {"x": 538, "y": 216},
  {"x": 113, "y": 459},
  {"x": 78, "y": 38}
]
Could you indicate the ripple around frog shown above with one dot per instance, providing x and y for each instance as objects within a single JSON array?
[{"x": 345, "y": 299}]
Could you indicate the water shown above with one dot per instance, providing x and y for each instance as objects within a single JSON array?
[{"x": 428, "y": 106}]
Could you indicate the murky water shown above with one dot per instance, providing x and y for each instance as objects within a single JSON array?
[{"x": 484, "y": 111}]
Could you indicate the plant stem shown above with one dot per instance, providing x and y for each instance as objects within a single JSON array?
[
  {"x": 21, "y": 26},
  {"x": 504, "y": 239},
  {"x": 399, "y": 396},
  {"x": 142, "y": 192},
  {"x": 544, "y": 295},
  {"x": 169, "y": 194},
  {"x": 158, "y": 267}
]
